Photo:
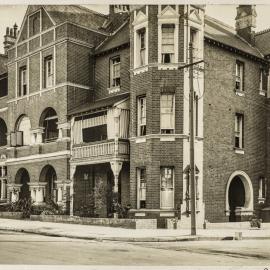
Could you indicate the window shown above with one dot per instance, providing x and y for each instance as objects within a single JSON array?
[
  {"x": 141, "y": 116},
  {"x": 23, "y": 136},
  {"x": 167, "y": 187},
  {"x": 23, "y": 82},
  {"x": 167, "y": 43},
  {"x": 3, "y": 133},
  {"x": 142, "y": 47},
  {"x": 167, "y": 113},
  {"x": 48, "y": 69},
  {"x": 262, "y": 188},
  {"x": 115, "y": 72},
  {"x": 239, "y": 128},
  {"x": 264, "y": 80},
  {"x": 195, "y": 43},
  {"x": 239, "y": 76},
  {"x": 141, "y": 183}
]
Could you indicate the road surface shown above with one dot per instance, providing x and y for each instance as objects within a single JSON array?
[{"x": 21, "y": 248}]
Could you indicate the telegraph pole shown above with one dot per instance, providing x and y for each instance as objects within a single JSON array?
[{"x": 191, "y": 143}]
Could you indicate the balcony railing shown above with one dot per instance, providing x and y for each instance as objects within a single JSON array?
[{"x": 101, "y": 149}]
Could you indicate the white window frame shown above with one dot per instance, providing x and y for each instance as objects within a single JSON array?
[
  {"x": 172, "y": 129},
  {"x": 173, "y": 185},
  {"x": 140, "y": 108},
  {"x": 263, "y": 91},
  {"x": 239, "y": 130},
  {"x": 163, "y": 19},
  {"x": 141, "y": 190},
  {"x": 140, "y": 22},
  {"x": 22, "y": 81},
  {"x": 113, "y": 78},
  {"x": 239, "y": 75},
  {"x": 49, "y": 76}
]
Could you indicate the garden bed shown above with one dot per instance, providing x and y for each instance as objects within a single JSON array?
[
  {"x": 110, "y": 222},
  {"x": 11, "y": 215}
]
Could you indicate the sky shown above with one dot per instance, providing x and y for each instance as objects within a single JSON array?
[{"x": 9, "y": 14}]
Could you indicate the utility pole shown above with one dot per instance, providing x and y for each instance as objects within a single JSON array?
[{"x": 191, "y": 143}]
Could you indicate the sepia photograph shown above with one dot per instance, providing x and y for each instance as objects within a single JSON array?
[{"x": 134, "y": 135}]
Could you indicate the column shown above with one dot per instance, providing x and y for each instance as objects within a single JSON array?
[
  {"x": 36, "y": 135},
  {"x": 37, "y": 190},
  {"x": 59, "y": 188},
  {"x": 14, "y": 189},
  {"x": 116, "y": 167},
  {"x": 63, "y": 133},
  {"x": 72, "y": 173}
]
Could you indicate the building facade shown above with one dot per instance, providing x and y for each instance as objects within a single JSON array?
[{"x": 96, "y": 112}]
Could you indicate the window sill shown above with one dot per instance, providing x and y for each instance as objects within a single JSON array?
[
  {"x": 113, "y": 89},
  {"x": 170, "y": 66},
  {"x": 141, "y": 139},
  {"x": 239, "y": 151},
  {"x": 262, "y": 93},
  {"x": 140, "y": 69},
  {"x": 167, "y": 137},
  {"x": 240, "y": 93}
]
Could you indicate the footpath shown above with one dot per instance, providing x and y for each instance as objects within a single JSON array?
[{"x": 100, "y": 233}]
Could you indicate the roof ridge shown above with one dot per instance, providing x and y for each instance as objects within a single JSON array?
[
  {"x": 262, "y": 31},
  {"x": 90, "y": 10},
  {"x": 219, "y": 22}
]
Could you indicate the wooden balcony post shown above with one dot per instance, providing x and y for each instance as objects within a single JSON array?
[
  {"x": 116, "y": 167},
  {"x": 72, "y": 173}
]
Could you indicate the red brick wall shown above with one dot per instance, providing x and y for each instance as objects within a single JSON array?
[
  {"x": 102, "y": 73},
  {"x": 220, "y": 105}
]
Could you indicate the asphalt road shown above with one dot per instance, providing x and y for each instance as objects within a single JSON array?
[{"x": 20, "y": 248}]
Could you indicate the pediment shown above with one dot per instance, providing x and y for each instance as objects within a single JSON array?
[
  {"x": 141, "y": 17},
  {"x": 195, "y": 17},
  {"x": 168, "y": 12}
]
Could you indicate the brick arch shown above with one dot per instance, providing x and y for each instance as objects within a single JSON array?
[
  {"x": 22, "y": 177},
  {"x": 249, "y": 203},
  {"x": 48, "y": 121},
  {"x": 48, "y": 175},
  {"x": 3, "y": 132}
]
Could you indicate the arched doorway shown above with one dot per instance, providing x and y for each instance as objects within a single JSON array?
[
  {"x": 48, "y": 121},
  {"x": 22, "y": 177},
  {"x": 49, "y": 176},
  {"x": 23, "y": 127},
  {"x": 3, "y": 133},
  {"x": 239, "y": 195}
]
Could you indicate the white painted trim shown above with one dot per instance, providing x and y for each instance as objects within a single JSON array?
[
  {"x": 44, "y": 8},
  {"x": 248, "y": 191},
  {"x": 239, "y": 151},
  {"x": 159, "y": 136},
  {"x": 3, "y": 109},
  {"x": 39, "y": 157},
  {"x": 44, "y": 90}
]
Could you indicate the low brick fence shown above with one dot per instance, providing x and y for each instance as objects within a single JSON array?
[
  {"x": 11, "y": 215},
  {"x": 110, "y": 222}
]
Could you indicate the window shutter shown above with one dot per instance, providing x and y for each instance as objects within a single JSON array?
[
  {"x": 12, "y": 139},
  {"x": 19, "y": 138}
]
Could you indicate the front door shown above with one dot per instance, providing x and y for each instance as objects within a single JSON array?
[{"x": 167, "y": 188}]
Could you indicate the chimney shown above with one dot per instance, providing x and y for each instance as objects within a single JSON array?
[
  {"x": 10, "y": 37},
  {"x": 245, "y": 22}
]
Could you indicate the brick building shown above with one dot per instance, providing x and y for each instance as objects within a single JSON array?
[{"x": 101, "y": 102}]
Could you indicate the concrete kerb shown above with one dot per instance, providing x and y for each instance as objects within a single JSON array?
[{"x": 136, "y": 239}]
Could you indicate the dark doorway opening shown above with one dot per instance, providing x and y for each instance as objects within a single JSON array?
[{"x": 236, "y": 196}]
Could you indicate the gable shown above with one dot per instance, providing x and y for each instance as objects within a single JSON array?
[
  {"x": 169, "y": 12},
  {"x": 194, "y": 16},
  {"x": 141, "y": 17},
  {"x": 34, "y": 14}
]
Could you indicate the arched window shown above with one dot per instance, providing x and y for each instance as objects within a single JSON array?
[
  {"x": 49, "y": 121},
  {"x": 3, "y": 133},
  {"x": 23, "y": 131}
]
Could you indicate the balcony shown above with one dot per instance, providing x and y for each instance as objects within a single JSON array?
[{"x": 102, "y": 151}]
